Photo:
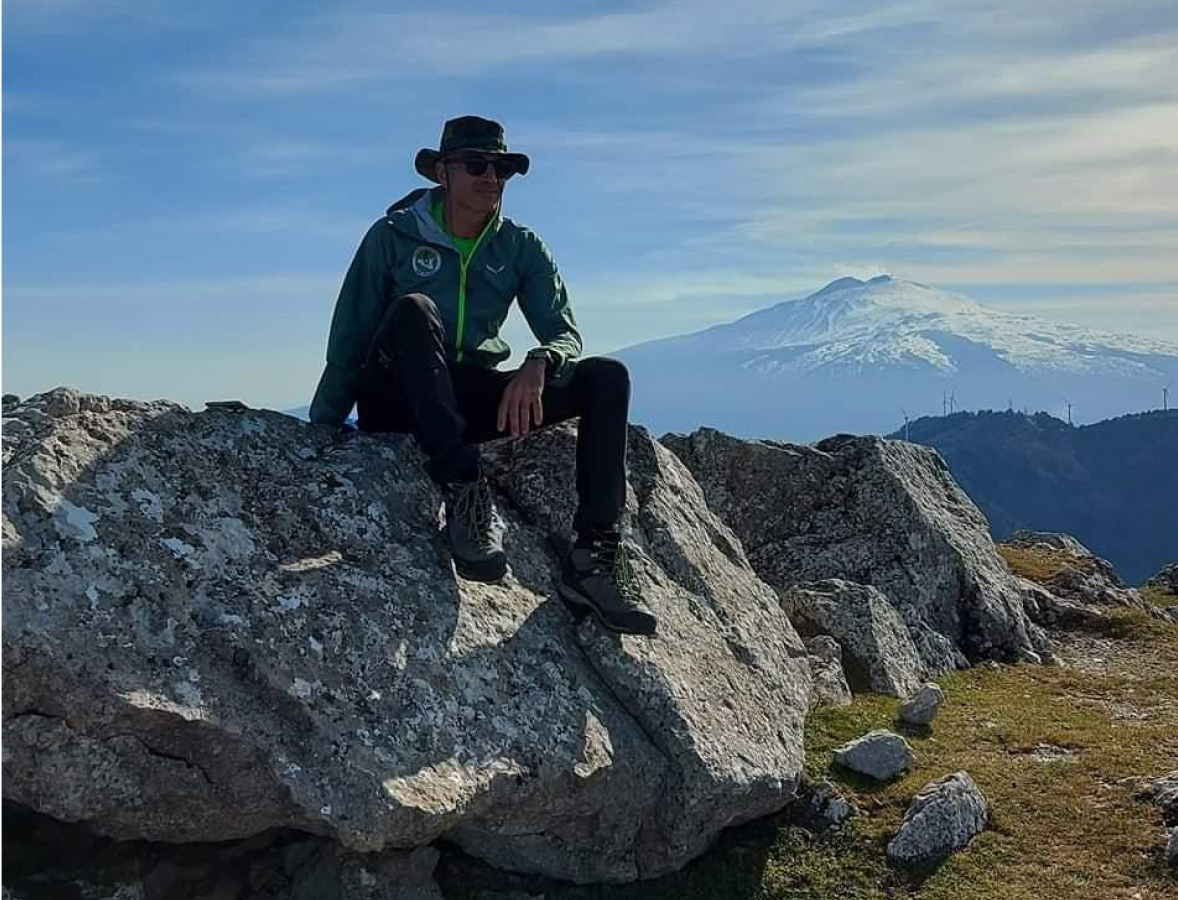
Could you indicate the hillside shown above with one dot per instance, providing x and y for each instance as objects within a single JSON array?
[{"x": 1112, "y": 484}]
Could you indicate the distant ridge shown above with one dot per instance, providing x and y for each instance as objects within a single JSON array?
[{"x": 1112, "y": 484}]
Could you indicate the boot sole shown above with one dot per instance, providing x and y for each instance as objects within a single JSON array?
[
  {"x": 576, "y": 598},
  {"x": 489, "y": 571}
]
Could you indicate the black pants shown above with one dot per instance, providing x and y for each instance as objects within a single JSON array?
[{"x": 451, "y": 407}]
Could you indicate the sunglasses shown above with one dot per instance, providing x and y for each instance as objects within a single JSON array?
[{"x": 477, "y": 166}]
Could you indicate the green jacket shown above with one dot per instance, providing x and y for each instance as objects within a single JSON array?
[{"x": 406, "y": 252}]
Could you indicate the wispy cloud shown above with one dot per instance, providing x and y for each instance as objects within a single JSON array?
[
  {"x": 54, "y": 159},
  {"x": 277, "y": 156},
  {"x": 49, "y": 16},
  {"x": 693, "y": 159},
  {"x": 343, "y": 48}
]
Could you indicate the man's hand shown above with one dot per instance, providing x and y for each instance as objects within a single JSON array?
[{"x": 521, "y": 408}]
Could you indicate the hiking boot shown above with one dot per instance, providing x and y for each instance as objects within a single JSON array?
[
  {"x": 477, "y": 550},
  {"x": 597, "y": 576}
]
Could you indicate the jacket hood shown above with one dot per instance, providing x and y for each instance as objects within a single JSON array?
[
  {"x": 417, "y": 207},
  {"x": 409, "y": 199}
]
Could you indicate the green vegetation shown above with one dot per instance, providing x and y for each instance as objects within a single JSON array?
[
  {"x": 1058, "y": 752},
  {"x": 1158, "y": 597},
  {"x": 1040, "y": 565},
  {"x": 1051, "y": 749}
]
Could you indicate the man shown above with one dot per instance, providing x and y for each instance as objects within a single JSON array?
[{"x": 415, "y": 341}]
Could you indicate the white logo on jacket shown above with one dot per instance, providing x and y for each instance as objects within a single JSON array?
[{"x": 426, "y": 262}]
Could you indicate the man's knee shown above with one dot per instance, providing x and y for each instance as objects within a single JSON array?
[
  {"x": 414, "y": 307},
  {"x": 405, "y": 317},
  {"x": 604, "y": 373}
]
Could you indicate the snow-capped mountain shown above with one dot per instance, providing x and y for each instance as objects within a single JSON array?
[{"x": 859, "y": 355}]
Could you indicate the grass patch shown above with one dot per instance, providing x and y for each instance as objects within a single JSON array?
[
  {"x": 1050, "y": 748},
  {"x": 1132, "y": 625},
  {"x": 1158, "y": 597},
  {"x": 1040, "y": 565}
]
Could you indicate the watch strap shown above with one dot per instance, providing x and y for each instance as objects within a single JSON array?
[{"x": 541, "y": 353}]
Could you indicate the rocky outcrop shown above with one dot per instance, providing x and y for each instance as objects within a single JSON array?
[
  {"x": 1055, "y": 541},
  {"x": 1053, "y": 611},
  {"x": 878, "y": 648},
  {"x": 944, "y": 817},
  {"x": 221, "y": 623},
  {"x": 878, "y": 512},
  {"x": 879, "y": 754},
  {"x": 1069, "y": 570},
  {"x": 1163, "y": 793},
  {"x": 828, "y": 683},
  {"x": 1166, "y": 580}
]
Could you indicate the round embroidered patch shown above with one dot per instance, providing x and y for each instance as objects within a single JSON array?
[{"x": 426, "y": 261}]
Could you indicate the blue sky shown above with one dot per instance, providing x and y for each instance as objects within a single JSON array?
[{"x": 185, "y": 184}]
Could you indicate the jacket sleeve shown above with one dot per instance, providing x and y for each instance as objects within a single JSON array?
[
  {"x": 544, "y": 302},
  {"x": 361, "y": 302}
]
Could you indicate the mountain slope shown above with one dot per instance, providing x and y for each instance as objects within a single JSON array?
[
  {"x": 853, "y": 355},
  {"x": 1114, "y": 484}
]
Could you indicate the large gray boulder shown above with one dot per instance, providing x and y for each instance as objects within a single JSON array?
[
  {"x": 873, "y": 511},
  {"x": 219, "y": 623},
  {"x": 943, "y": 817},
  {"x": 878, "y": 649}
]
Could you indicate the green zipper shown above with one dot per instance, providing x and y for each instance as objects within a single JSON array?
[
  {"x": 463, "y": 265},
  {"x": 462, "y": 302}
]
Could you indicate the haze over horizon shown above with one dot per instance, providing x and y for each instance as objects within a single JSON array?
[{"x": 186, "y": 187}]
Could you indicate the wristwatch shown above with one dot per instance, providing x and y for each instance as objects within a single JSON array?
[{"x": 544, "y": 354}]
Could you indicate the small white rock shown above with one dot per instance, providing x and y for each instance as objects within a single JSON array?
[
  {"x": 922, "y": 707},
  {"x": 879, "y": 754}
]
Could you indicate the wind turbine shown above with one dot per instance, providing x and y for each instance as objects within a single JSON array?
[{"x": 1166, "y": 397}]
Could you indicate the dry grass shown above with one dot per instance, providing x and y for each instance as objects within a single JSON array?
[
  {"x": 1059, "y": 753},
  {"x": 1040, "y": 565},
  {"x": 1158, "y": 597}
]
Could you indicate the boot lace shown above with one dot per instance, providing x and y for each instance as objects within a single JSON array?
[
  {"x": 610, "y": 555},
  {"x": 473, "y": 504}
]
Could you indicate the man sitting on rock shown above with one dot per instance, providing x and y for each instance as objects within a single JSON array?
[{"x": 415, "y": 340}]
